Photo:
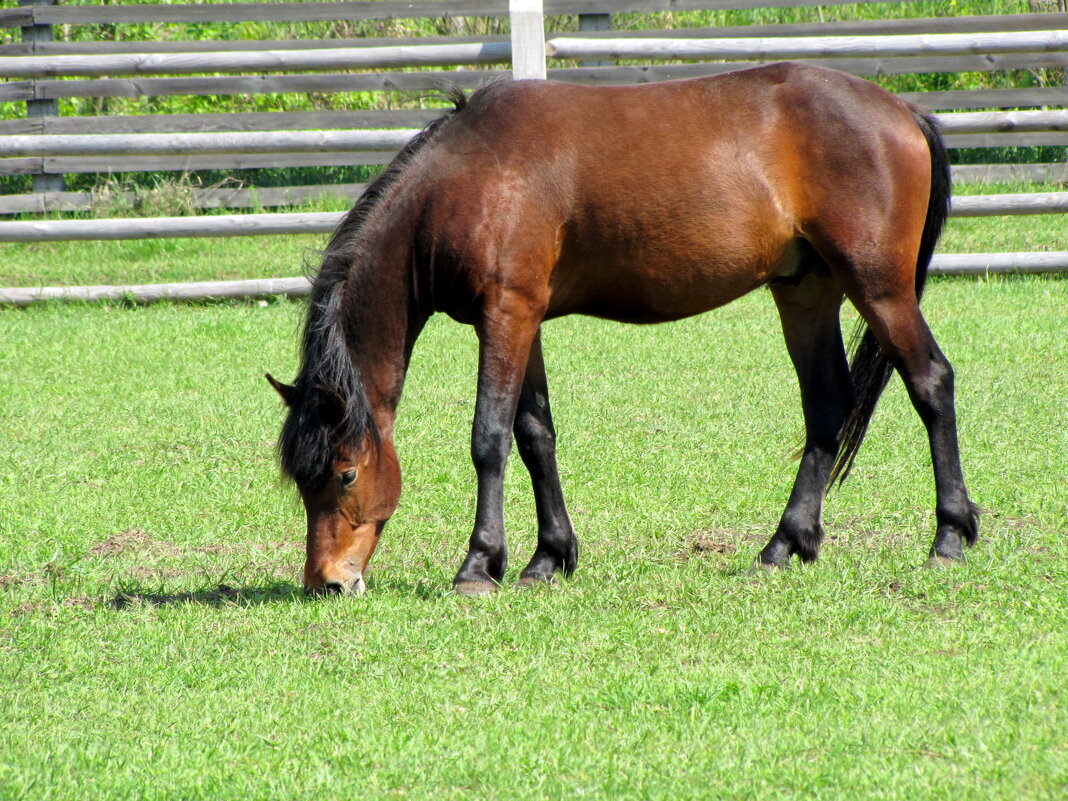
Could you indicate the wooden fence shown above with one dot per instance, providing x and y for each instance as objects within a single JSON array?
[
  {"x": 307, "y": 66},
  {"x": 41, "y": 72}
]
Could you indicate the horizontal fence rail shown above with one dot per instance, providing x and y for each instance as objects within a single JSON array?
[
  {"x": 149, "y": 293},
  {"x": 268, "y": 61},
  {"x": 238, "y": 197},
  {"x": 758, "y": 49},
  {"x": 325, "y": 222},
  {"x": 948, "y": 44},
  {"x": 417, "y": 118},
  {"x": 988, "y": 24},
  {"x": 169, "y": 227},
  {"x": 269, "y": 142},
  {"x": 310, "y": 12},
  {"x": 51, "y": 89},
  {"x": 180, "y": 144},
  {"x": 977, "y": 264}
]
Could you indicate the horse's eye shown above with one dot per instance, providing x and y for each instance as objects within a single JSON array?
[{"x": 348, "y": 478}]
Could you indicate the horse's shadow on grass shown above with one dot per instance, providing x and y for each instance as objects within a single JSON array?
[{"x": 220, "y": 596}]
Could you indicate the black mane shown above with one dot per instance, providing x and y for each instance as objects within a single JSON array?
[{"x": 329, "y": 405}]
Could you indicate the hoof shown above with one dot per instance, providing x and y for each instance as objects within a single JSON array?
[
  {"x": 759, "y": 567},
  {"x": 471, "y": 589},
  {"x": 937, "y": 562},
  {"x": 535, "y": 581}
]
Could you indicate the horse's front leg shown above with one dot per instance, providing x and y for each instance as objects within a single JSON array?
[{"x": 505, "y": 337}]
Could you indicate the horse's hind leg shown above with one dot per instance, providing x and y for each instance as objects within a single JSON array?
[
  {"x": 904, "y": 337},
  {"x": 536, "y": 438},
  {"x": 810, "y": 324}
]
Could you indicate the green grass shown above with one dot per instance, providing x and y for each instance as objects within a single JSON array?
[{"x": 154, "y": 642}]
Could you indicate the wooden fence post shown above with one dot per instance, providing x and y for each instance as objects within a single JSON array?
[
  {"x": 42, "y": 182},
  {"x": 595, "y": 22},
  {"x": 528, "y": 39}
]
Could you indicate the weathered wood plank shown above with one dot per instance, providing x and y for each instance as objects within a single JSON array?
[
  {"x": 230, "y": 197},
  {"x": 118, "y": 164},
  {"x": 945, "y": 264},
  {"x": 963, "y": 206},
  {"x": 256, "y": 61},
  {"x": 839, "y": 48},
  {"x": 214, "y": 198},
  {"x": 977, "y": 122},
  {"x": 1047, "y": 138},
  {"x": 258, "y": 12},
  {"x": 416, "y": 118},
  {"x": 470, "y": 79},
  {"x": 1009, "y": 205},
  {"x": 751, "y": 49},
  {"x": 249, "y": 84},
  {"x": 323, "y": 222},
  {"x": 150, "y": 293},
  {"x": 169, "y": 227},
  {"x": 865, "y": 67},
  {"x": 309, "y": 12},
  {"x": 16, "y": 17},
  {"x": 988, "y": 263},
  {"x": 989, "y": 98},
  {"x": 249, "y": 142},
  {"x": 16, "y": 91},
  {"x": 237, "y": 121},
  {"x": 1010, "y": 173},
  {"x": 181, "y": 144},
  {"x": 97, "y": 48},
  {"x": 992, "y": 23}
]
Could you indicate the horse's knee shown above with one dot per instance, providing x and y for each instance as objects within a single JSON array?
[
  {"x": 932, "y": 387},
  {"x": 490, "y": 446}
]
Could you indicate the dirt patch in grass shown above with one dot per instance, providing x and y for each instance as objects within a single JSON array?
[
  {"x": 49, "y": 609},
  {"x": 133, "y": 540},
  {"x": 9, "y": 581},
  {"x": 715, "y": 542}
]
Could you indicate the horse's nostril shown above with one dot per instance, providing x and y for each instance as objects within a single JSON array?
[{"x": 334, "y": 588}]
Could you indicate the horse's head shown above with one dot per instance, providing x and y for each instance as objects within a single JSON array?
[{"x": 349, "y": 480}]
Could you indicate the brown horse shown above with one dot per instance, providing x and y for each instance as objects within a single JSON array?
[{"x": 533, "y": 199}]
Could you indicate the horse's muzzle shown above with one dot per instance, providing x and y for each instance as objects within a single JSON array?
[{"x": 353, "y": 586}]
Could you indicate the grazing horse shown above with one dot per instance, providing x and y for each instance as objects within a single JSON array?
[{"x": 532, "y": 199}]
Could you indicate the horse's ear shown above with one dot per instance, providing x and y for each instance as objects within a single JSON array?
[
  {"x": 332, "y": 407},
  {"x": 287, "y": 391}
]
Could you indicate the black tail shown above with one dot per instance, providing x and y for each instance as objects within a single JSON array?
[{"x": 868, "y": 365}]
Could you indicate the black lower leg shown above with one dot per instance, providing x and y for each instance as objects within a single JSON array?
[
  {"x": 930, "y": 387},
  {"x": 535, "y": 436},
  {"x": 809, "y": 314},
  {"x": 503, "y": 353},
  {"x": 487, "y": 555}
]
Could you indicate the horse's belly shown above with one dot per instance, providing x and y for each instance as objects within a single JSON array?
[{"x": 668, "y": 280}]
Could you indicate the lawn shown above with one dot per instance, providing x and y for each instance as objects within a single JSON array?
[{"x": 154, "y": 642}]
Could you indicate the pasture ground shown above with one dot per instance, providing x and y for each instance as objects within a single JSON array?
[{"x": 154, "y": 643}]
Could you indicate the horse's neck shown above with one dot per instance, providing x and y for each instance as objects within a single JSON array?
[{"x": 384, "y": 321}]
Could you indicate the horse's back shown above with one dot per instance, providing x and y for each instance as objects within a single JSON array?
[{"x": 663, "y": 200}]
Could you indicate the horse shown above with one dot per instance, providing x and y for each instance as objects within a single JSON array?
[{"x": 530, "y": 200}]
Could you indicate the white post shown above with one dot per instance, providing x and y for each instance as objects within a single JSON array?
[{"x": 528, "y": 39}]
